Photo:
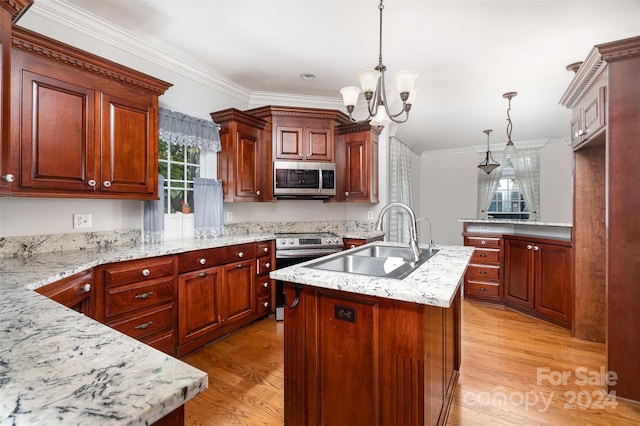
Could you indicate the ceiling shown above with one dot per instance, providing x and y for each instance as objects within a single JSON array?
[{"x": 467, "y": 53}]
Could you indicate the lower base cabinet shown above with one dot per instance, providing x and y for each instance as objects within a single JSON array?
[
  {"x": 538, "y": 278},
  {"x": 363, "y": 360}
]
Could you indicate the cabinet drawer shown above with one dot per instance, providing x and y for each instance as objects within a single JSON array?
[
  {"x": 482, "y": 289},
  {"x": 485, "y": 256},
  {"x": 264, "y": 286},
  {"x": 139, "y": 270},
  {"x": 493, "y": 242},
  {"x": 70, "y": 291},
  {"x": 164, "y": 342},
  {"x": 264, "y": 306},
  {"x": 194, "y": 260},
  {"x": 137, "y": 296},
  {"x": 264, "y": 248},
  {"x": 483, "y": 272},
  {"x": 264, "y": 265},
  {"x": 145, "y": 323}
]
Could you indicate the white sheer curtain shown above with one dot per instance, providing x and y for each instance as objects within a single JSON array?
[
  {"x": 526, "y": 165},
  {"x": 487, "y": 185},
  {"x": 400, "y": 190},
  {"x": 208, "y": 212}
]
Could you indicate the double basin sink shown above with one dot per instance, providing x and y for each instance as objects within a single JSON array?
[{"x": 376, "y": 260}]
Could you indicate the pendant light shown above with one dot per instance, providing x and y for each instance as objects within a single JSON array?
[
  {"x": 489, "y": 164},
  {"x": 373, "y": 86},
  {"x": 510, "y": 148}
]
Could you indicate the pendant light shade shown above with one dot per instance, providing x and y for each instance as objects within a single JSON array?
[{"x": 489, "y": 164}]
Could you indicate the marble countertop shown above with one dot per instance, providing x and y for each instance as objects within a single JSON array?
[
  {"x": 516, "y": 222},
  {"x": 60, "y": 367},
  {"x": 434, "y": 283}
]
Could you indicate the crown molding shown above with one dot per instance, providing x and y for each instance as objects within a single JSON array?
[
  {"x": 498, "y": 148},
  {"x": 65, "y": 14}
]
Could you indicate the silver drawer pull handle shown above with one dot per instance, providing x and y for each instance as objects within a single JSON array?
[
  {"x": 143, "y": 326},
  {"x": 202, "y": 261},
  {"x": 241, "y": 254},
  {"x": 265, "y": 285},
  {"x": 146, "y": 272},
  {"x": 144, "y": 295},
  {"x": 202, "y": 274},
  {"x": 240, "y": 265},
  {"x": 86, "y": 288}
]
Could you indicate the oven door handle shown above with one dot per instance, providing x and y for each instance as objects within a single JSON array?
[
  {"x": 295, "y": 302},
  {"x": 294, "y": 253}
]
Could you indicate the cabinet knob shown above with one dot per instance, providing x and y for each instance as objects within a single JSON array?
[
  {"x": 265, "y": 304},
  {"x": 106, "y": 184},
  {"x": 146, "y": 272},
  {"x": 86, "y": 288},
  {"x": 300, "y": 155},
  {"x": 202, "y": 261},
  {"x": 267, "y": 265},
  {"x": 240, "y": 266},
  {"x": 483, "y": 272},
  {"x": 266, "y": 249},
  {"x": 8, "y": 177},
  {"x": 536, "y": 248},
  {"x": 529, "y": 246},
  {"x": 580, "y": 132},
  {"x": 265, "y": 284},
  {"x": 257, "y": 192},
  {"x": 483, "y": 242},
  {"x": 352, "y": 246},
  {"x": 482, "y": 255},
  {"x": 483, "y": 289},
  {"x": 241, "y": 254},
  {"x": 346, "y": 194},
  {"x": 308, "y": 154},
  {"x": 91, "y": 183}
]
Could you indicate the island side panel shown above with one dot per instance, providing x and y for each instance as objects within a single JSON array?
[{"x": 295, "y": 397}]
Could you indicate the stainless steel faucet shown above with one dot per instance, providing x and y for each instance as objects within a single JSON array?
[{"x": 413, "y": 229}]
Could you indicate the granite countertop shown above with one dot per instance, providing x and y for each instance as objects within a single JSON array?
[
  {"x": 516, "y": 222},
  {"x": 434, "y": 283},
  {"x": 60, "y": 367}
]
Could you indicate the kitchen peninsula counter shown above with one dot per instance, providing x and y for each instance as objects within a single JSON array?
[
  {"x": 60, "y": 367},
  {"x": 367, "y": 350}
]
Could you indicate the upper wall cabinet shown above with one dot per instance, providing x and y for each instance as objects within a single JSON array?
[
  {"x": 82, "y": 126},
  {"x": 242, "y": 163},
  {"x": 301, "y": 134},
  {"x": 10, "y": 11},
  {"x": 357, "y": 163}
]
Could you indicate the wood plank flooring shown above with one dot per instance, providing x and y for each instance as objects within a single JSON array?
[{"x": 502, "y": 351}]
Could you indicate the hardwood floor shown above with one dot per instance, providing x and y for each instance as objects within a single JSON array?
[{"x": 500, "y": 382}]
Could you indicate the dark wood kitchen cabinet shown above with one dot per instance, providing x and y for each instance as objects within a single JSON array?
[
  {"x": 245, "y": 160},
  {"x": 10, "y": 11},
  {"x": 538, "y": 278},
  {"x": 265, "y": 286},
  {"x": 75, "y": 292},
  {"x": 140, "y": 298},
  {"x": 217, "y": 294},
  {"x": 357, "y": 163},
  {"x": 351, "y": 359},
  {"x": 84, "y": 126},
  {"x": 483, "y": 278},
  {"x": 606, "y": 230}
]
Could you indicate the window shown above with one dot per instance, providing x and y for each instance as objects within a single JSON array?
[
  {"x": 179, "y": 164},
  {"x": 508, "y": 201}
]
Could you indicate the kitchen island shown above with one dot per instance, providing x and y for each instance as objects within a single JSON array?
[{"x": 368, "y": 350}]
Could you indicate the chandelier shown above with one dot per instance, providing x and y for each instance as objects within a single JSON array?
[
  {"x": 489, "y": 164},
  {"x": 510, "y": 148},
  {"x": 373, "y": 86}
]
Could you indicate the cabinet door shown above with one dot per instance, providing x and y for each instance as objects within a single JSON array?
[
  {"x": 289, "y": 143},
  {"x": 355, "y": 167},
  {"x": 57, "y": 137},
  {"x": 553, "y": 281},
  {"x": 238, "y": 291},
  {"x": 129, "y": 145},
  {"x": 198, "y": 304},
  {"x": 318, "y": 144},
  {"x": 518, "y": 274},
  {"x": 248, "y": 169}
]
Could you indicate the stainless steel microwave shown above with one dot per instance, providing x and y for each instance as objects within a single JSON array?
[{"x": 304, "y": 179}]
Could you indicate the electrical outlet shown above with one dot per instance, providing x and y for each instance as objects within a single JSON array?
[
  {"x": 82, "y": 220},
  {"x": 229, "y": 216},
  {"x": 370, "y": 215}
]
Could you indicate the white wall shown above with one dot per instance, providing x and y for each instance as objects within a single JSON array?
[{"x": 448, "y": 188}]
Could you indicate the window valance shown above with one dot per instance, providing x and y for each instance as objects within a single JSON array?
[{"x": 181, "y": 129}]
